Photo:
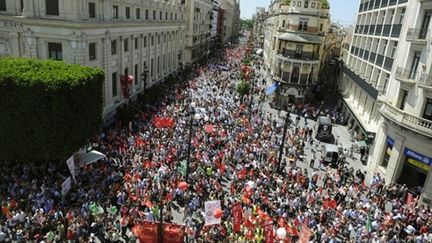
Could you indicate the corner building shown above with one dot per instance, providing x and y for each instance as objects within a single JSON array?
[
  {"x": 403, "y": 146},
  {"x": 120, "y": 37},
  {"x": 293, "y": 46}
]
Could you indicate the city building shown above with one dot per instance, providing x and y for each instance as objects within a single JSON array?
[
  {"x": 293, "y": 47},
  {"x": 214, "y": 37},
  {"x": 258, "y": 29},
  {"x": 120, "y": 37},
  {"x": 402, "y": 150},
  {"x": 231, "y": 19},
  {"x": 198, "y": 14},
  {"x": 365, "y": 75},
  {"x": 332, "y": 44}
]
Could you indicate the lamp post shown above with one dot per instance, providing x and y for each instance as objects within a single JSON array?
[
  {"x": 144, "y": 77},
  {"x": 287, "y": 122}
]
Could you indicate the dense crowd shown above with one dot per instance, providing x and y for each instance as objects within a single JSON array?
[{"x": 235, "y": 162}]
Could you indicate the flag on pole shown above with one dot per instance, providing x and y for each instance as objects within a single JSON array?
[{"x": 270, "y": 90}]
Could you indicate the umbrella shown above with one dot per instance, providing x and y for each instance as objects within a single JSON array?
[{"x": 209, "y": 128}]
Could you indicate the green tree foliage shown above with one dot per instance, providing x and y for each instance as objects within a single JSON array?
[
  {"x": 48, "y": 108},
  {"x": 325, "y": 4},
  {"x": 243, "y": 89},
  {"x": 287, "y": 2},
  {"x": 246, "y": 23}
]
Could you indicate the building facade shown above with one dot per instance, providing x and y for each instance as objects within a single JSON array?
[
  {"x": 365, "y": 75},
  {"x": 198, "y": 13},
  {"x": 120, "y": 37},
  {"x": 230, "y": 18},
  {"x": 293, "y": 47},
  {"x": 214, "y": 37},
  {"x": 402, "y": 151},
  {"x": 258, "y": 29}
]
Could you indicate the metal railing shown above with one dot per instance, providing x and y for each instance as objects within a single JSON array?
[
  {"x": 425, "y": 80},
  {"x": 415, "y": 123}
]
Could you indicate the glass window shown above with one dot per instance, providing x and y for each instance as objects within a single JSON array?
[
  {"x": 146, "y": 14},
  {"x": 115, "y": 12},
  {"x": 113, "y": 47},
  {"x": 160, "y": 15},
  {"x": 114, "y": 83},
  {"x": 2, "y": 5},
  {"x": 138, "y": 13},
  {"x": 126, "y": 45},
  {"x": 154, "y": 14},
  {"x": 52, "y": 7},
  {"x": 402, "y": 16},
  {"x": 152, "y": 40},
  {"x": 387, "y": 154},
  {"x": 127, "y": 12},
  {"x": 299, "y": 3},
  {"x": 306, "y": 3},
  {"x": 427, "y": 114},
  {"x": 145, "y": 42},
  {"x": 92, "y": 10},
  {"x": 92, "y": 51},
  {"x": 313, "y": 5},
  {"x": 136, "y": 43},
  {"x": 55, "y": 51}
]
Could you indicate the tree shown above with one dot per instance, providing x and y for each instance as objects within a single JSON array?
[
  {"x": 243, "y": 89},
  {"x": 49, "y": 108},
  {"x": 325, "y": 4},
  {"x": 247, "y": 23},
  {"x": 287, "y": 2}
]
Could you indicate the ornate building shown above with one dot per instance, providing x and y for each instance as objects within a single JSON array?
[
  {"x": 293, "y": 46},
  {"x": 120, "y": 37}
]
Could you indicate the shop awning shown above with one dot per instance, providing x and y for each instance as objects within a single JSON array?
[
  {"x": 303, "y": 38},
  {"x": 91, "y": 157}
]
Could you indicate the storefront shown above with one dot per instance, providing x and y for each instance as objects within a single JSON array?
[{"x": 415, "y": 169}]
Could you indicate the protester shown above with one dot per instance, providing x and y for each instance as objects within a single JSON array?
[{"x": 233, "y": 159}]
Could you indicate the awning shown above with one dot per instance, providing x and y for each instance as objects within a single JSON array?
[
  {"x": 91, "y": 157},
  {"x": 259, "y": 51},
  {"x": 303, "y": 38}
]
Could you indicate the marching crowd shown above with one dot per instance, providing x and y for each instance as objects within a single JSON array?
[{"x": 233, "y": 158}]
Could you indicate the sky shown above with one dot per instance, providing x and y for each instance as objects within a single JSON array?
[{"x": 342, "y": 11}]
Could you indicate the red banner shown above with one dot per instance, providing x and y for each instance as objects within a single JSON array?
[
  {"x": 268, "y": 232},
  {"x": 305, "y": 234},
  {"x": 237, "y": 212},
  {"x": 147, "y": 232}
]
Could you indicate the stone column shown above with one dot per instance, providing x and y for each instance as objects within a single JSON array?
[
  {"x": 14, "y": 49},
  {"x": 28, "y": 10}
]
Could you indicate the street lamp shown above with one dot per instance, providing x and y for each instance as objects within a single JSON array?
[{"x": 287, "y": 123}]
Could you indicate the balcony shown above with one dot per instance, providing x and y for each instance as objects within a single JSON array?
[
  {"x": 405, "y": 76},
  {"x": 417, "y": 36},
  {"x": 292, "y": 55},
  {"x": 414, "y": 123},
  {"x": 425, "y": 82}
]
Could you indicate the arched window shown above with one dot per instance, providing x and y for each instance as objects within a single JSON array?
[{"x": 306, "y": 3}]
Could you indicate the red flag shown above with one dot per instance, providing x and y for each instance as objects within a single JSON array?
[
  {"x": 305, "y": 234},
  {"x": 268, "y": 232},
  {"x": 147, "y": 232},
  {"x": 237, "y": 212}
]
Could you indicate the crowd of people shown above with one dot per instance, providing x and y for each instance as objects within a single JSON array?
[{"x": 235, "y": 161}]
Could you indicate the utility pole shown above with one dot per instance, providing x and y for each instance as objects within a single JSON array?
[{"x": 287, "y": 122}]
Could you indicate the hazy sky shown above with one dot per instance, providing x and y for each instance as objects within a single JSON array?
[{"x": 344, "y": 11}]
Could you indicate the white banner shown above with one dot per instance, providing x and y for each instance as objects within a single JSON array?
[
  {"x": 71, "y": 164},
  {"x": 210, "y": 207},
  {"x": 66, "y": 186}
]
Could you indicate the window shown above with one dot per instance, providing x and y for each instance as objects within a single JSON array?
[
  {"x": 321, "y": 27},
  {"x": 427, "y": 114},
  {"x": 113, "y": 47},
  {"x": 299, "y": 4},
  {"x": 294, "y": 3},
  {"x": 151, "y": 67},
  {"x": 283, "y": 24},
  {"x": 136, "y": 43},
  {"x": 52, "y": 7},
  {"x": 126, "y": 71},
  {"x": 55, "y": 51},
  {"x": 158, "y": 39},
  {"x": 126, "y": 45},
  {"x": 138, "y": 13},
  {"x": 2, "y": 5},
  {"x": 387, "y": 152},
  {"x": 115, "y": 12},
  {"x": 313, "y": 5},
  {"x": 318, "y": 5},
  {"x": 306, "y": 3},
  {"x": 152, "y": 40},
  {"x": 92, "y": 51},
  {"x": 158, "y": 65},
  {"x": 127, "y": 12},
  {"x": 154, "y": 14},
  {"x": 300, "y": 26},
  {"x": 92, "y": 10},
  {"x": 145, "y": 42},
  {"x": 146, "y": 14},
  {"x": 166, "y": 15},
  {"x": 136, "y": 74},
  {"x": 303, "y": 25},
  {"x": 299, "y": 51},
  {"x": 114, "y": 84},
  {"x": 394, "y": 49},
  {"x": 404, "y": 95},
  {"x": 171, "y": 17},
  {"x": 391, "y": 16},
  {"x": 175, "y": 16},
  {"x": 402, "y": 16},
  {"x": 160, "y": 15}
]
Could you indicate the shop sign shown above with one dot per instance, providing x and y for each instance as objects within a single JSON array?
[
  {"x": 390, "y": 141},
  {"x": 418, "y": 160}
]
